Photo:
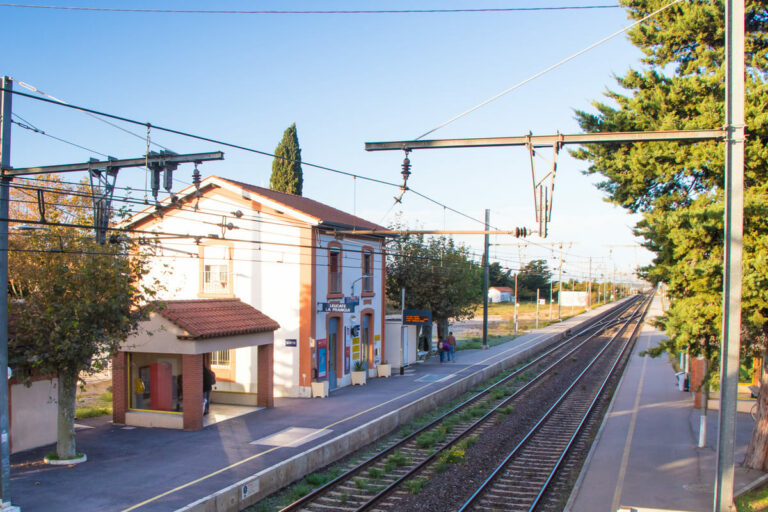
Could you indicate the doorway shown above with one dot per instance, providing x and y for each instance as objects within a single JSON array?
[
  {"x": 333, "y": 337},
  {"x": 365, "y": 339}
]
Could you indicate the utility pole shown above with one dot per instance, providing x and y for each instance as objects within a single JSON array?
[
  {"x": 560, "y": 286},
  {"x": 589, "y": 286},
  {"x": 734, "y": 227},
  {"x": 5, "y": 195},
  {"x": 550, "y": 299},
  {"x": 537, "y": 307},
  {"x": 485, "y": 280},
  {"x": 403, "y": 334},
  {"x": 516, "y": 303}
]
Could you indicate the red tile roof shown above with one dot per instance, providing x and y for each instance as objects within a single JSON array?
[
  {"x": 213, "y": 318},
  {"x": 502, "y": 288},
  {"x": 324, "y": 213}
]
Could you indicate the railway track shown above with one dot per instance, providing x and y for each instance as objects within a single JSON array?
[
  {"x": 389, "y": 478},
  {"x": 527, "y": 473}
]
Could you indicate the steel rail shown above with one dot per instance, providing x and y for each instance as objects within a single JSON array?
[
  {"x": 481, "y": 489},
  {"x": 609, "y": 316},
  {"x": 480, "y": 421},
  {"x": 592, "y": 405}
]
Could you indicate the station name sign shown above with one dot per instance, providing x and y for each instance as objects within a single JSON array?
[
  {"x": 336, "y": 307},
  {"x": 417, "y": 316}
]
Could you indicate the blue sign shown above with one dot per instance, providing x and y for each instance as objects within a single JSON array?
[
  {"x": 335, "y": 307},
  {"x": 417, "y": 317},
  {"x": 290, "y": 343},
  {"x": 321, "y": 362}
]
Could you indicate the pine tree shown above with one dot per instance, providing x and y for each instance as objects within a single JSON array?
[
  {"x": 286, "y": 167},
  {"x": 678, "y": 187}
]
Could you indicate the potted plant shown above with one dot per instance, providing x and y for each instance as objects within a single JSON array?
[
  {"x": 384, "y": 369},
  {"x": 358, "y": 374}
]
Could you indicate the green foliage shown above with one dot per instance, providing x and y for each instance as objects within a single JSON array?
[
  {"x": 432, "y": 437},
  {"x": 92, "y": 412},
  {"x": 375, "y": 473},
  {"x": 533, "y": 276},
  {"x": 455, "y": 455},
  {"x": 287, "y": 175},
  {"x": 498, "y": 276},
  {"x": 414, "y": 486},
  {"x": 439, "y": 276},
  {"x": 678, "y": 186}
]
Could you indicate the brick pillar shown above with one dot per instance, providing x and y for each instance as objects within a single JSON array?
[
  {"x": 120, "y": 387},
  {"x": 698, "y": 370},
  {"x": 265, "y": 379},
  {"x": 192, "y": 388}
]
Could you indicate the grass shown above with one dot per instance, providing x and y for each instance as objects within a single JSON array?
[
  {"x": 414, "y": 486},
  {"x": 429, "y": 439},
  {"x": 102, "y": 407},
  {"x": 753, "y": 501}
]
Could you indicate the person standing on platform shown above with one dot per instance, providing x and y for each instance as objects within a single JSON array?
[
  {"x": 441, "y": 348},
  {"x": 451, "y": 342},
  {"x": 209, "y": 379}
]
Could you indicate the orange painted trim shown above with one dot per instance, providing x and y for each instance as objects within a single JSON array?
[
  {"x": 367, "y": 301},
  {"x": 340, "y": 336},
  {"x": 340, "y": 293},
  {"x": 367, "y": 249},
  {"x": 306, "y": 312},
  {"x": 383, "y": 304},
  {"x": 371, "y": 330}
]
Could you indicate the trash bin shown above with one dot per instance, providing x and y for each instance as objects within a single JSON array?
[{"x": 682, "y": 381}]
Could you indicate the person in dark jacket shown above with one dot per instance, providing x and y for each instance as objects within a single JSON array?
[{"x": 209, "y": 379}]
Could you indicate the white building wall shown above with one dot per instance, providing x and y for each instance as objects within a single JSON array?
[{"x": 33, "y": 414}]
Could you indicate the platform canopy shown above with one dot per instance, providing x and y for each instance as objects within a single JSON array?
[{"x": 200, "y": 326}]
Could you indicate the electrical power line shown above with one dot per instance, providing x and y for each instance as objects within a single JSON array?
[
  {"x": 305, "y": 12},
  {"x": 547, "y": 70}
]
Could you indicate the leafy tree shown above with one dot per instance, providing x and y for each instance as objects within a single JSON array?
[
  {"x": 72, "y": 301},
  {"x": 498, "y": 276},
  {"x": 533, "y": 276},
  {"x": 286, "y": 167},
  {"x": 437, "y": 275},
  {"x": 678, "y": 186}
]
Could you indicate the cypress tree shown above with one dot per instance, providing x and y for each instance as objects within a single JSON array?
[{"x": 286, "y": 167}]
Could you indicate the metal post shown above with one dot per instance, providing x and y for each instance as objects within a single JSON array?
[
  {"x": 516, "y": 303},
  {"x": 5, "y": 163},
  {"x": 485, "y": 280},
  {"x": 537, "y": 307},
  {"x": 734, "y": 226},
  {"x": 550, "y": 299},
  {"x": 589, "y": 286},
  {"x": 403, "y": 334},
  {"x": 560, "y": 285}
]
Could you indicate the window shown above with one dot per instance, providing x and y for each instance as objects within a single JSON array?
[
  {"x": 367, "y": 261},
  {"x": 220, "y": 359},
  {"x": 216, "y": 270},
  {"x": 334, "y": 270}
]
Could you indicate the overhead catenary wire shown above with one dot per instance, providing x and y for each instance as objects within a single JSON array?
[
  {"x": 306, "y": 12},
  {"x": 235, "y": 146}
]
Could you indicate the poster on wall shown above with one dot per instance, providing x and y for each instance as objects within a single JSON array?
[
  {"x": 346, "y": 359},
  {"x": 322, "y": 358}
]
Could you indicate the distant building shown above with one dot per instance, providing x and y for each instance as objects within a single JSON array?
[{"x": 501, "y": 294}]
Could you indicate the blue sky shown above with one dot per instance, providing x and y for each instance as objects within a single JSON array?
[{"x": 344, "y": 80}]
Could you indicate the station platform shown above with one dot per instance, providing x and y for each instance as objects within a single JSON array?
[
  {"x": 234, "y": 463},
  {"x": 646, "y": 456}
]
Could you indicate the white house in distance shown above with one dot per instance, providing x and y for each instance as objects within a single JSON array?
[
  {"x": 286, "y": 257},
  {"x": 501, "y": 294}
]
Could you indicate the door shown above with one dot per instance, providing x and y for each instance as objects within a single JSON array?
[
  {"x": 365, "y": 338},
  {"x": 333, "y": 347}
]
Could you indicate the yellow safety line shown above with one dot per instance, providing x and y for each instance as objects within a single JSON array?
[
  {"x": 327, "y": 427},
  {"x": 630, "y": 434}
]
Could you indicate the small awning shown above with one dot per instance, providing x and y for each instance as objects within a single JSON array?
[{"x": 201, "y": 326}]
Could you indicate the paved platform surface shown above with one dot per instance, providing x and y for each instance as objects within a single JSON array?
[
  {"x": 646, "y": 454},
  {"x": 147, "y": 469}
]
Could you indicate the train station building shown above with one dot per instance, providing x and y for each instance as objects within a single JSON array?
[{"x": 285, "y": 263}]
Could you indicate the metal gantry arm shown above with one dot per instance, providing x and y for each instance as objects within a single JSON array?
[{"x": 543, "y": 189}]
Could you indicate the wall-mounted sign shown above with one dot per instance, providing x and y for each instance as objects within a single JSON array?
[
  {"x": 322, "y": 358},
  {"x": 417, "y": 316},
  {"x": 335, "y": 307},
  {"x": 290, "y": 343}
]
